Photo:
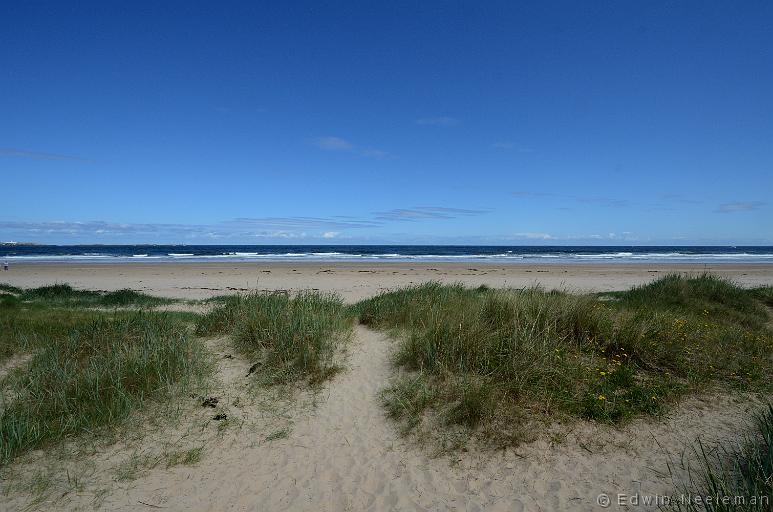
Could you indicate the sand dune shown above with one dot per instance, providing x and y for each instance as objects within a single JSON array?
[
  {"x": 335, "y": 450},
  {"x": 342, "y": 453}
]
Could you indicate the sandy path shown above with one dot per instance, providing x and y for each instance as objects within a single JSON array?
[{"x": 345, "y": 455}]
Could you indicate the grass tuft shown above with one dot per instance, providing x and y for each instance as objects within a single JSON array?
[
  {"x": 742, "y": 474},
  {"x": 9, "y": 289},
  {"x": 705, "y": 294},
  {"x": 289, "y": 338},
  {"x": 64, "y": 295}
]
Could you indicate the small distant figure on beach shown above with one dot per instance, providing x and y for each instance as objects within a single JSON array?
[{"x": 5, "y": 265}]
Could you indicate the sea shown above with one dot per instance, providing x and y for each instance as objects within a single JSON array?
[{"x": 385, "y": 253}]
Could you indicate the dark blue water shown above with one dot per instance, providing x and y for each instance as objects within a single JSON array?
[{"x": 514, "y": 254}]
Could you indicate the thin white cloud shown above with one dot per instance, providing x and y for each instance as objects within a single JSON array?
[
  {"x": 234, "y": 229},
  {"x": 299, "y": 223},
  {"x": 679, "y": 198},
  {"x": 374, "y": 153},
  {"x": 509, "y": 146},
  {"x": 739, "y": 206},
  {"x": 443, "y": 121},
  {"x": 279, "y": 234},
  {"x": 610, "y": 202},
  {"x": 425, "y": 212},
  {"x": 534, "y": 236},
  {"x": 36, "y": 155},
  {"x": 330, "y": 143},
  {"x": 267, "y": 227}
]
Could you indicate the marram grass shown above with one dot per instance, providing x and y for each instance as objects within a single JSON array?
[
  {"x": 24, "y": 329},
  {"x": 94, "y": 376},
  {"x": 735, "y": 477},
  {"x": 488, "y": 361},
  {"x": 33, "y": 317},
  {"x": 64, "y": 295},
  {"x": 494, "y": 360},
  {"x": 289, "y": 338},
  {"x": 91, "y": 369}
]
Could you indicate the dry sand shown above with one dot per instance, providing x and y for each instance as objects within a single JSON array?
[
  {"x": 341, "y": 453},
  {"x": 354, "y": 281},
  {"x": 335, "y": 450}
]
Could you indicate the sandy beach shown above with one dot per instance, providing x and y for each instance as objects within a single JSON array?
[
  {"x": 335, "y": 449},
  {"x": 355, "y": 281}
]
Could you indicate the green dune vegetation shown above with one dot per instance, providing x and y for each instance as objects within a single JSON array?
[
  {"x": 33, "y": 317},
  {"x": 493, "y": 364},
  {"x": 84, "y": 369},
  {"x": 288, "y": 338},
  {"x": 85, "y": 366},
  {"x": 94, "y": 376},
  {"x": 66, "y": 296},
  {"x": 495, "y": 361}
]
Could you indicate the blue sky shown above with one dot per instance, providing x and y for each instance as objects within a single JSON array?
[{"x": 399, "y": 122}]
